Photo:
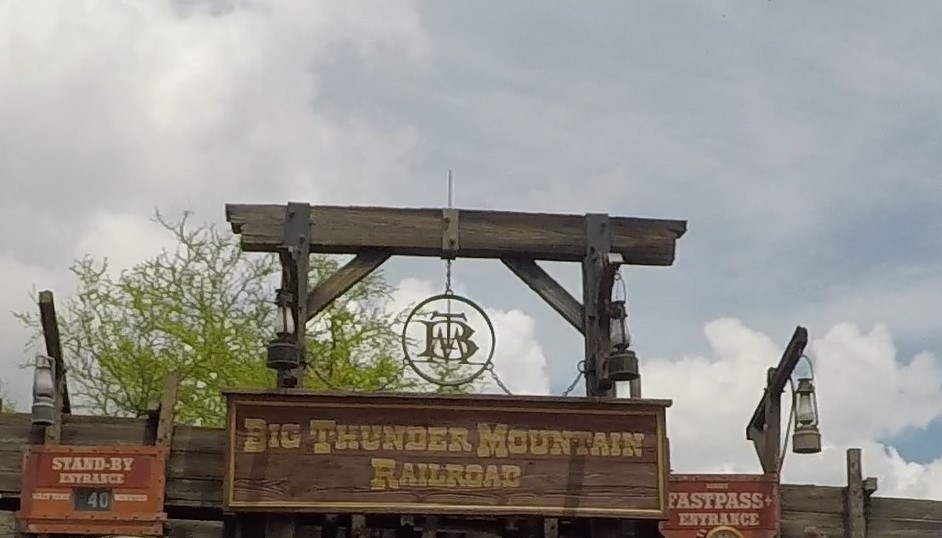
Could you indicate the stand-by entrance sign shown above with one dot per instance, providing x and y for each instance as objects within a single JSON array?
[
  {"x": 93, "y": 490},
  {"x": 722, "y": 506},
  {"x": 496, "y": 455}
]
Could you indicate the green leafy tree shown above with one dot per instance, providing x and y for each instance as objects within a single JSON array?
[{"x": 205, "y": 310}]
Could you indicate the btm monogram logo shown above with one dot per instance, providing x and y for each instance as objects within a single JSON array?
[
  {"x": 448, "y": 338},
  {"x": 448, "y": 346}
]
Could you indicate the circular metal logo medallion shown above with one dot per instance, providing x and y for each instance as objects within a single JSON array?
[
  {"x": 448, "y": 340},
  {"x": 724, "y": 532}
]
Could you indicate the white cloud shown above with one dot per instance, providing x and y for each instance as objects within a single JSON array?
[
  {"x": 112, "y": 108},
  {"x": 864, "y": 393},
  {"x": 121, "y": 106}
]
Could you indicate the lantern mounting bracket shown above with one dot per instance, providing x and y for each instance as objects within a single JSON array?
[
  {"x": 294, "y": 254},
  {"x": 764, "y": 428}
]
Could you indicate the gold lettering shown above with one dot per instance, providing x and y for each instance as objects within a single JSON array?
[
  {"x": 581, "y": 441},
  {"x": 473, "y": 474},
  {"x": 290, "y": 436},
  {"x": 436, "y": 439},
  {"x": 255, "y": 432},
  {"x": 510, "y": 474},
  {"x": 407, "y": 478},
  {"x": 370, "y": 437},
  {"x": 436, "y": 478},
  {"x": 273, "y": 435},
  {"x": 346, "y": 438},
  {"x": 560, "y": 442},
  {"x": 517, "y": 441},
  {"x": 491, "y": 477},
  {"x": 539, "y": 442},
  {"x": 393, "y": 437},
  {"x": 416, "y": 436},
  {"x": 321, "y": 432},
  {"x": 383, "y": 474},
  {"x": 599, "y": 445},
  {"x": 390, "y": 474},
  {"x": 456, "y": 477},
  {"x": 632, "y": 444},
  {"x": 459, "y": 440},
  {"x": 421, "y": 471},
  {"x": 614, "y": 444},
  {"x": 492, "y": 442}
]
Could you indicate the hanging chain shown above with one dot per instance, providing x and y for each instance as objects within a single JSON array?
[
  {"x": 448, "y": 290},
  {"x": 496, "y": 378},
  {"x": 580, "y": 371}
]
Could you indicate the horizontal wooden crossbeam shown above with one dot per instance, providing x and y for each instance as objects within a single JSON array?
[{"x": 481, "y": 234}]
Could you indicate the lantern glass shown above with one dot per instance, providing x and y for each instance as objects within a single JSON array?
[
  {"x": 284, "y": 320},
  {"x": 805, "y": 411},
  {"x": 618, "y": 330}
]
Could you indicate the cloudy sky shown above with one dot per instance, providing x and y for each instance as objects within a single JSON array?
[{"x": 799, "y": 139}]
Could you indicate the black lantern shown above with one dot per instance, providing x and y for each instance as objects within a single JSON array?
[
  {"x": 283, "y": 352},
  {"x": 807, "y": 437},
  {"x": 622, "y": 363},
  {"x": 44, "y": 392}
]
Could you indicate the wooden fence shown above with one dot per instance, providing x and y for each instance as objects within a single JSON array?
[{"x": 195, "y": 470}]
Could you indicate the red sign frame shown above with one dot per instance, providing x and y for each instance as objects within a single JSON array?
[
  {"x": 93, "y": 490},
  {"x": 722, "y": 506}
]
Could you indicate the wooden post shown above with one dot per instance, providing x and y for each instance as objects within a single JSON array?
[
  {"x": 764, "y": 428},
  {"x": 854, "y": 515},
  {"x": 50, "y": 327}
]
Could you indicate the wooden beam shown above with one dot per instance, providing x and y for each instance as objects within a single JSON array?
[
  {"x": 50, "y": 326},
  {"x": 481, "y": 234},
  {"x": 168, "y": 402},
  {"x": 548, "y": 289},
  {"x": 340, "y": 282},
  {"x": 784, "y": 370},
  {"x": 764, "y": 428},
  {"x": 854, "y": 494}
]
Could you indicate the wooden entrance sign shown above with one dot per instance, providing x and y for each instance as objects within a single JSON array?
[
  {"x": 722, "y": 506},
  {"x": 93, "y": 490},
  {"x": 304, "y": 451}
]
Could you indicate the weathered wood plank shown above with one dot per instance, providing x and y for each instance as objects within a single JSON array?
[
  {"x": 50, "y": 326},
  {"x": 812, "y": 499},
  {"x": 854, "y": 496},
  {"x": 345, "y": 278},
  {"x": 795, "y": 524},
  {"x": 548, "y": 289},
  {"x": 482, "y": 234},
  {"x": 195, "y": 471}
]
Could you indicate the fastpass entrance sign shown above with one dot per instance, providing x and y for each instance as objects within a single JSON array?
[{"x": 722, "y": 506}]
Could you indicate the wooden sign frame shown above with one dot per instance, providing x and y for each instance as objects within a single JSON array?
[
  {"x": 296, "y": 452},
  {"x": 723, "y": 506},
  {"x": 99, "y": 490}
]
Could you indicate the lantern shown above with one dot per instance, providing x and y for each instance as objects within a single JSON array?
[
  {"x": 44, "y": 392},
  {"x": 283, "y": 352},
  {"x": 807, "y": 437},
  {"x": 622, "y": 363}
]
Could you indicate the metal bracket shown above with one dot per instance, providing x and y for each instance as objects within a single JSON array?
[
  {"x": 449, "y": 233},
  {"x": 294, "y": 274}
]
